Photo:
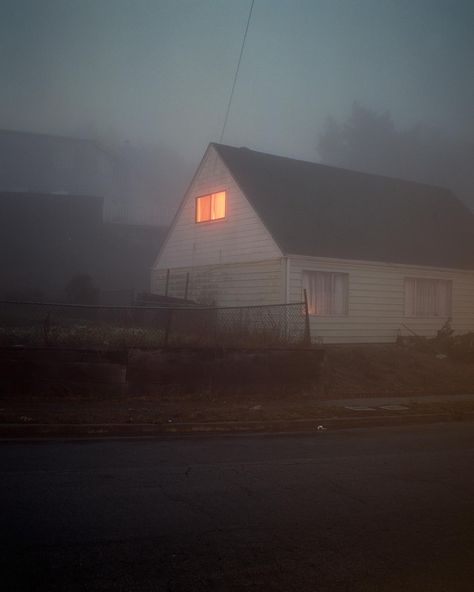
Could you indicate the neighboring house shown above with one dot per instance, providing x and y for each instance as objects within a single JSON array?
[
  {"x": 378, "y": 257},
  {"x": 49, "y": 164},
  {"x": 47, "y": 239}
]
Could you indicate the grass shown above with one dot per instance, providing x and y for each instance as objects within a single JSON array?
[{"x": 82, "y": 335}]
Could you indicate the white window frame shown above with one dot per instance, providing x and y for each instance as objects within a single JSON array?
[
  {"x": 212, "y": 196},
  {"x": 328, "y": 283},
  {"x": 428, "y": 298}
]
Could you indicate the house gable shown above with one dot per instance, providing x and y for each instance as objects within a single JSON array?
[{"x": 238, "y": 237}]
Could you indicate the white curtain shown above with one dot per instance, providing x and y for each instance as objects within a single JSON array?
[
  {"x": 326, "y": 291},
  {"x": 427, "y": 297},
  {"x": 444, "y": 298}
]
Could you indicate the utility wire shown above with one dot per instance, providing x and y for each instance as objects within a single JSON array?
[{"x": 236, "y": 73}]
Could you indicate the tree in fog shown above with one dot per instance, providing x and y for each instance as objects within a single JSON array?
[{"x": 370, "y": 141}]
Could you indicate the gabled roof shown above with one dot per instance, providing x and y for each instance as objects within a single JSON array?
[
  {"x": 318, "y": 210},
  {"x": 45, "y": 163}
]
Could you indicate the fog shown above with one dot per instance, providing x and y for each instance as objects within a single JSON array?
[
  {"x": 150, "y": 80},
  {"x": 131, "y": 94},
  {"x": 370, "y": 141},
  {"x": 168, "y": 363}
]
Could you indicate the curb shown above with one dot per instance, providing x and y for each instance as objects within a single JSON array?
[{"x": 97, "y": 431}]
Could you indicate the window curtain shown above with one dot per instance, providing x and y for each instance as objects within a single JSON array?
[
  {"x": 326, "y": 291},
  {"x": 443, "y": 302},
  {"x": 203, "y": 208},
  {"x": 218, "y": 205},
  {"x": 427, "y": 297}
]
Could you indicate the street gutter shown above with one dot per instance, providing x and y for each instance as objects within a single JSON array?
[{"x": 45, "y": 431}]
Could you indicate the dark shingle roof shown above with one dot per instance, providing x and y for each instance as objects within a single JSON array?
[{"x": 318, "y": 210}]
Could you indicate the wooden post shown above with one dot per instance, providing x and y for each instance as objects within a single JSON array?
[
  {"x": 307, "y": 328},
  {"x": 47, "y": 328},
  {"x": 168, "y": 327},
  {"x": 167, "y": 281},
  {"x": 186, "y": 286}
]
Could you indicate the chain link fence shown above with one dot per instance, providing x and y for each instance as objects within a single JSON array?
[{"x": 145, "y": 327}]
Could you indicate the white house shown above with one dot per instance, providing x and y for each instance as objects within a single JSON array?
[{"x": 378, "y": 257}]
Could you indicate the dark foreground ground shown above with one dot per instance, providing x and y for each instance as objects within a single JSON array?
[{"x": 387, "y": 509}]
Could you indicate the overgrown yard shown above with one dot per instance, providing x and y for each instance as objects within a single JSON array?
[
  {"x": 350, "y": 371},
  {"x": 378, "y": 370},
  {"x": 84, "y": 334}
]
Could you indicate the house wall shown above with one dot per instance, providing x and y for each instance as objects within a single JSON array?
[
  {"x": 234, "y": 284},
  {"x": 239, "y": 237},
  {"x": 376, "y": 300}
]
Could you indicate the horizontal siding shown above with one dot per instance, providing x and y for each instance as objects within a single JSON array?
[
  {"x": 376, "y": 303},
  {"x": 239, "y": 237},
  {"x": 242, "y": 284}
]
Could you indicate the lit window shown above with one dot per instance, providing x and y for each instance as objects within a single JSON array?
[
  {"x": 210, "y": 207},
  {"x": 326, "y": 292},
  {"x": 427, "y": 297}
]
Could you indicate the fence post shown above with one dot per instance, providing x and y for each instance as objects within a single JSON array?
[
  {"x": 307, "y": 328},
  {"x": 47, "y": 328},
  {"x": 168, "y": 327},
  {"x": 186, "y": 286}
]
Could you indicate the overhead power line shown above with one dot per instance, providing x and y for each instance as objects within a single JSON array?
[{"x": 236, "y": 72}]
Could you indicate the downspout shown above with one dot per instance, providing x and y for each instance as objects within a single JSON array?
[{"x": 287, "y": 280}]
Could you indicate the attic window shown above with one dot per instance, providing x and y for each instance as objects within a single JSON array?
[{"x": 210, "y": 207}]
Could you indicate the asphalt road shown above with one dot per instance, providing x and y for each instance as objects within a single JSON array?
[{"x": 387, "y": 509}]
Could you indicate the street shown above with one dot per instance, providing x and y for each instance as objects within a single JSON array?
[{"x": 386, "y": 509}]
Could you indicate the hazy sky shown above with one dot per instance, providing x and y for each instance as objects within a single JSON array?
[{"x": 161, "y": 70}]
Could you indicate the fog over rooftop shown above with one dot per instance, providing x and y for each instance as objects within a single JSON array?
[{"x": 152, "y": 79}]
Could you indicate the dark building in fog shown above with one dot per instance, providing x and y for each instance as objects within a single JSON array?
[
  {"x": 47, "y": 164},
  {"x": 62, "y": 214},
  {"x": 47, "y": 239}
]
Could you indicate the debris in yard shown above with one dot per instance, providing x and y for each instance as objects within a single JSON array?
[
  {"x": 256, "y": 408},
  {"x": 25, "y": 418},
  {"x": 321, "y": 428},
  {"x": 170, "y": 420},
  {"x": 394, "y": 407},
  {"x": 445, "y": 345},
  {"x": 359, "y": 408}
]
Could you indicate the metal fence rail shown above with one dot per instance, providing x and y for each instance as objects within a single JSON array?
[{"x": 145, "y": 327}]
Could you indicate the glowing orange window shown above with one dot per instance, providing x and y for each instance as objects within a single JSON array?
[{"x": 210, "y": 207}]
